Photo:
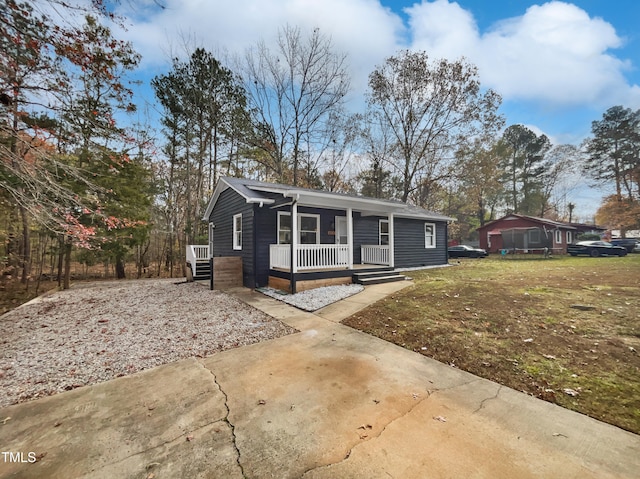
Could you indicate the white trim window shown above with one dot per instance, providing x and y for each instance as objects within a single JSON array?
[
  {"x": 308, "y": 228},
  {"x": 429, "y": 235},
  {"x": 284, "y": 228},
  {"x": 559, "y": 237},
  {"x": 383, "y": 232},
  {"x": 569, "y": 237},
  {"x": 237, "y": 231}
]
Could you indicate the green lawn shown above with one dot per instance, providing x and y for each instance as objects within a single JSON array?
[{"x": 564, "y": 329}]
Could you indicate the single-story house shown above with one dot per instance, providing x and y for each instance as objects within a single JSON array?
[
  {"x": 517, "y": 232},
  {"x": 331, "y": 236}
]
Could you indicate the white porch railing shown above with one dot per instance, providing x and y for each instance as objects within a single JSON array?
[
  {"x": 280, "y": 256},
  {"x": 196, "y": 253},
  {"x": 310, "y": 256},
  {"x": 374, "y": 254}
]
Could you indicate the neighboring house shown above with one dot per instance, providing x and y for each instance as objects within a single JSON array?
[
  {"x": 529, "y": 233},
  {"x": 332, "y": 236}
]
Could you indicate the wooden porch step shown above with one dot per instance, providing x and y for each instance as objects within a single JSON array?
[
  {"x": 377, "y": 277},
  {"x": 203, "y": 271}
]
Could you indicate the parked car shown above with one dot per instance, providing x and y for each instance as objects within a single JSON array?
[
  {"x": 636, "y": 248},
  {"x": 464, "y": 251},
  {"x": 628, "y": 243},
  {"x": 596, "y": 248}
]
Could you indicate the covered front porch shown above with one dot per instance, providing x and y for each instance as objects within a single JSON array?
[
  {"x": 326, "y": 243},
  {"x": 315, "y": 257}
]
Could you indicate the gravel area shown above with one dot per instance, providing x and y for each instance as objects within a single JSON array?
[
  {"x": 99, "y": 331},
  {"x": 314, "y": 299}
]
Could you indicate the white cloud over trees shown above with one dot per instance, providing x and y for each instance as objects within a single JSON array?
[{"x": 554, "y": 53}]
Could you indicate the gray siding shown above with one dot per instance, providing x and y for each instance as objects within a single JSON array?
[
  {"x": 365, "y": 232},
  {"x": 266, "y": 221},
  {"x": 229, "y": 204},
  {"x": 409, "y": 244}
]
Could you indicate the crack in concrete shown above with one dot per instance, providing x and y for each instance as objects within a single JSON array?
[
  {"x": 226, "y": 418},
  {"x": 495, "y": 396},
  {"x": 430, "y": 392},
  {"x": 184, "y": 435},
  {"x": 174, "y": 440},
  {"x": 348, "y": 454}
]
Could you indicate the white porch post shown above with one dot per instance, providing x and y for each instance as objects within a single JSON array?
[
  {"x": 294, "y": 237},
  {"x": 350, "y": 238},
  {"x": 391, "y": 242}
]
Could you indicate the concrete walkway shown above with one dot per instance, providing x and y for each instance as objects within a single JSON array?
[{"x": 327, "y": 402}]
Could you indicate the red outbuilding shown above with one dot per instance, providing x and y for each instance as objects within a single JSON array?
[{"x": 521, "y": 233}]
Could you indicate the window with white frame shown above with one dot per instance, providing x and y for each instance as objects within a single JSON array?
[
  {"x": 569, "y": 237},
  {"x": 308, "y": 228},
  {"x": 237, "y": 231},
  {"x": 429, "y": 235},
  {"x": 383, "y": 232},
  {"x": 284, "y": 228},
  {"x": 558, "y": 237}
]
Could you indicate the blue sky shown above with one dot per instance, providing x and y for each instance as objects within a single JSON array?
[{"x": 558, "y": 65}]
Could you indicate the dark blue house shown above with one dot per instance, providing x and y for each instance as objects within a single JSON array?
[{"x": 295, "y": 238}]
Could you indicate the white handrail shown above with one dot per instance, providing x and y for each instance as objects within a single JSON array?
[
  {"x": 280, "y": 256},
  {"x": 196, "y": 253},
  {"x": 310, "y": 256},
  {"x": 374, "y": 254}
]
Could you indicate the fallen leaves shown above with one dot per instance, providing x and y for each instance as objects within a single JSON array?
[{"x": 571, "y": 392}]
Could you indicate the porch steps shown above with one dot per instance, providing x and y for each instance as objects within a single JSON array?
[
  {"x": 377, "y": 277},
  {"x": 203, "y": 271}
]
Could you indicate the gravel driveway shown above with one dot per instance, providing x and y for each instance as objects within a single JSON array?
[{"x": 99, "y": 331}]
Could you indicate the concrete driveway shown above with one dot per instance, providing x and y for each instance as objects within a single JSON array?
[{"x": 327, "y": 402}]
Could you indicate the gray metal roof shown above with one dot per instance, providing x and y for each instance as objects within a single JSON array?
[{"x": 254, "y": 192}]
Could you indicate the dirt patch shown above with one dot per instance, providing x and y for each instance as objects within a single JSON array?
[{"x": 566, "y": 330}]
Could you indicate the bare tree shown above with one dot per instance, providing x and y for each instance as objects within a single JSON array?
[
  {"x": 379, "y": 147},
  {"x": 431, "y": 109},
  {"x": 559, "y": 179},
  {"x": 292, "y": 92}
]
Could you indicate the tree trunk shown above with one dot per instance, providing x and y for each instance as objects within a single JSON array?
[
  {"x": 67, "y": 264},
  {"x": 120, "y": 268},
  {"x": 61, "y": 251},
  {"x": 26, "y": 251}
]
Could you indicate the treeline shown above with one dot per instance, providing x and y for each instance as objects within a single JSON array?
[{"x": 79, "y": 186}]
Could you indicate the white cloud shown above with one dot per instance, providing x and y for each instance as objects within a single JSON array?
[
  {"x": 363, "y": 29},
  {"x": 443, "y": 30},
  {"x": 554, "y": 53}
]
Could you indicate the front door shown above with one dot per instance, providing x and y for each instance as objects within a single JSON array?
[{"x": 341, "y": 230}]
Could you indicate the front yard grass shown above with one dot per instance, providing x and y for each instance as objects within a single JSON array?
[{"x": 566, "y": 330}]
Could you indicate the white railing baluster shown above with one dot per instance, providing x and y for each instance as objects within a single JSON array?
[
  {"x": 310, "y": 256},
  {"x": 196, "y": 253},
  {"x": 374, "y": 254}
]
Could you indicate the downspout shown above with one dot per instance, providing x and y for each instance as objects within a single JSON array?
[
  {"x": 392, "y": 241},
  {"x": 446, "y": 240},
  {"x": 294, "y": 244},
  {"x": 350, "y": 238},
  {"x": 255, "y": 247}
]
